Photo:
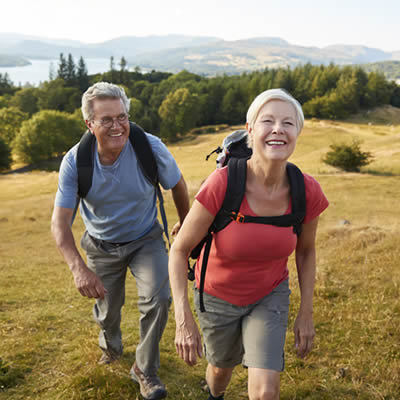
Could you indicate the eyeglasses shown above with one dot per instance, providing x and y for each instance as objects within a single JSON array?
[{"x": 108, "y": 122}]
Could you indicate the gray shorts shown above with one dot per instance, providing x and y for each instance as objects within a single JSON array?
[{"x": 253, "y": 335}]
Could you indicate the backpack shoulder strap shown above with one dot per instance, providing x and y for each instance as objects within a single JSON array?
[
  {"x": 235, "y": 189},
  {"x": 84, "y": 163},
  {"x": 237, "y": 169},
  {"x": 144, "y": 153},
  {"x": 148, "y": 165},
  {"x": 298, "y": 195}
]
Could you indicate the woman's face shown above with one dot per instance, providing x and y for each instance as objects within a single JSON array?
[{"x": 275, "y": 132}]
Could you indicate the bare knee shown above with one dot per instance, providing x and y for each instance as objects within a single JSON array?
[
  {"x": 219, "y": 373},
  {"x": 264, "y": 393},
  {"x": 263, "y": 384}
]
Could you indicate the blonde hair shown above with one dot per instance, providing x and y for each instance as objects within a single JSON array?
[{"x": 274, "y": 94}]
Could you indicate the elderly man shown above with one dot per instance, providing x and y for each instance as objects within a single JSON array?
[{"x": 122, "y": 230}]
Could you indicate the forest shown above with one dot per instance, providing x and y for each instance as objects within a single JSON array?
[{"x": 37, "y": 123}]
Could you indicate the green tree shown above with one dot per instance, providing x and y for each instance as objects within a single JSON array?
[
  {"x": 82, "y": 77},
  {"x": 178, "y": 113},
  {"x": 47, "y": 134},
  {"x": 5, "y": 155},
  {"x": 26, "y": 99},
  {"x": 112, "y": 71},
  {"x": 71, "y": 71},
  {"x": 55, "y": 95},
  {"x": 6, "y": 86},
  {"x": 136, "y": 110},
  {"x": 62, "y": 68},
  {"x": 123, "y": 73},
  {"x": 11, "y": 119},
  {"x": 377, "y": 91}
]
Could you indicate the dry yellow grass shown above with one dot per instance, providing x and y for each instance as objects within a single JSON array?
[{"x": 47, "y": 333}]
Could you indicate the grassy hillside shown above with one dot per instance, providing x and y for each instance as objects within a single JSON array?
[{"x": 49, "y": 341}]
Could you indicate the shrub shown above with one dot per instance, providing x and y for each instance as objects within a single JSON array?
[
  {"x": 350, "y": 158},
  {"x": 47, "y": 134}
]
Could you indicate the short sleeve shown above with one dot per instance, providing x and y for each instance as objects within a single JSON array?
[
  {"x": 67, "y": 190},
  {"x": 168, "y": 170},
  {"x": 212, "y": 192},
  {"x": 316, "y": 201}
]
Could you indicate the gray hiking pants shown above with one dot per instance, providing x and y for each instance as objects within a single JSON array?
[{"x": 148, "y": 262}]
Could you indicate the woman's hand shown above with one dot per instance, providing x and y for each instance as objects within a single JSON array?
[
  {"x": 188, "y": 339},
  {"x": 304, "y": 333}
]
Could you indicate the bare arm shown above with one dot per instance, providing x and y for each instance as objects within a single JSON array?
[
  {"x": 306, "y": 267},
  {"x": 86, "y": 281},
  {"x": 195, "y": 227},
  {"x": 180, "y": 196}
]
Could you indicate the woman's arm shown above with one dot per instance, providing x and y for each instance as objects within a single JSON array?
[
  {"x": 306, "y": 267},
  {"x": 194, "y": 228}
]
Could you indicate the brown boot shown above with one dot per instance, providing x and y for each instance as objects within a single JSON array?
[
  {"x": 151, "y": 387},
  {"x": 107, "y": 358}
]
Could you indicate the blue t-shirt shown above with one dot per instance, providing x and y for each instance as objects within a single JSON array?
[{"x": 121, "y": 204}]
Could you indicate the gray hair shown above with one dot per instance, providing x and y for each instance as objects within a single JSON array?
[
  {"x": 102, "y": 90},
  {"x": 274, "y": 94}
]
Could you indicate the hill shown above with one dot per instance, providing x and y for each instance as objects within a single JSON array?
[
  {"x": 13, "y": 61},
  {"x": 198, "y": 54},
  {"x": 391, "y": 69},
  {"x": 49, "y": 340}
]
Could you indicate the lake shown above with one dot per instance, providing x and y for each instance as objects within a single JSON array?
[{"x": 39, "y": 70}]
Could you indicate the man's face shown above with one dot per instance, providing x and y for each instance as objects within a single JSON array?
[{"x": 110, "y": 125}]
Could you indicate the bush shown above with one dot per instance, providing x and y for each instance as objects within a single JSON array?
[
  {"x": 350, "y": 158},
  {"x": 47, "y": 134}
]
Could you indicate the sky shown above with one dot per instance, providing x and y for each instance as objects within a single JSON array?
[{"x": 320, "y": 23}]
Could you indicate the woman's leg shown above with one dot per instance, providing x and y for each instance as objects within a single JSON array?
[
  {"x": 263, "y": 384},
  {"x": 218, "y": 379}
]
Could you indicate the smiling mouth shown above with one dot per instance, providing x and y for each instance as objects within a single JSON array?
[
  {"x": 116, "y": 134},
  {"x": 276, "y": 143}
]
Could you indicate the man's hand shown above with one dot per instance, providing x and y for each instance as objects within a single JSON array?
[
  {"x": 175, "y": 229},
  {"x": 88, "y": 283}
]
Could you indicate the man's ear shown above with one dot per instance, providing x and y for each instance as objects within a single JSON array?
[{"x": 89, "y": 125}]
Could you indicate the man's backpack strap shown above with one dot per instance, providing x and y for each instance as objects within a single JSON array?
[
  {"x": 148, "y": 165},
  {"x": 84, "y": 163}
]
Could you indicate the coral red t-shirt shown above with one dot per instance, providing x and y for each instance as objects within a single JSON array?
[{"x": 247, "y": 261}]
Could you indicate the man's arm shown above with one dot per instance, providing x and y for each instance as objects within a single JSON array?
[
  {"x": 86, "y": 281},
  {"x": 180, "y": 196}
]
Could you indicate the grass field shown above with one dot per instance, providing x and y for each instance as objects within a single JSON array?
[{"x": 48, "y": 340}]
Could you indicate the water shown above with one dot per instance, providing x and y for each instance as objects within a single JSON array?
[{"x": 39, "y": 70}]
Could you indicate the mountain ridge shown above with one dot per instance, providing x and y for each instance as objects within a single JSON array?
[{"x": 207, "y": 55}]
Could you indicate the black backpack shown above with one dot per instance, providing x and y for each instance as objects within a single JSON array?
[
  {"x": 235, "y": 154},
  {"x": 144, "y": 154}
]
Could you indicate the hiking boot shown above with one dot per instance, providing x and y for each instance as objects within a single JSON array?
[
  {"x": 151, "y": 387},
  {"x": 107, "y": 358}
]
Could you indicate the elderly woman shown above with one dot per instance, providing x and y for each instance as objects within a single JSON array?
[{"x": 246, "y": 293}]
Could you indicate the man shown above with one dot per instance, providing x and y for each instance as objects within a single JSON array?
[{"x": 120, "y": 216}]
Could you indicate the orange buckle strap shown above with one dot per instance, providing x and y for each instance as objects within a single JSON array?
[{"x": 237, "y": 217}]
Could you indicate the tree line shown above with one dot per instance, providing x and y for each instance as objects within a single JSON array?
[{"x": 44, "y": 121}]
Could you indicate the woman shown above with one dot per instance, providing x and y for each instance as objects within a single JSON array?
[{"x": 246, "y": 292}]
